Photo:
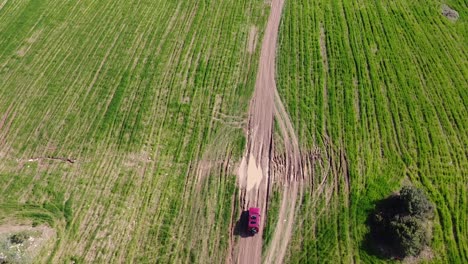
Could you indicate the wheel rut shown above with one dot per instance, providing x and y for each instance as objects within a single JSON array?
[{"x": 255, "y": 173}]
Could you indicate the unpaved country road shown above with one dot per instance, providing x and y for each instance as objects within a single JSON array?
[{"x": 254, "y": 172}]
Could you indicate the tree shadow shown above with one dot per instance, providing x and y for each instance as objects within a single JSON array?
[
  {"x": 379, "y": 242},
  {"x": 241, "y": 225},
  {"x": 378, "y": 246},
  {"x": 391, "y": 205}
]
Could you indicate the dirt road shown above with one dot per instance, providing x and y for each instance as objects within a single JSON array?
[{"x": 254, "y": 172}]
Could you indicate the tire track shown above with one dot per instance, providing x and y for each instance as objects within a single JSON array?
[{"x": 254, "y": 172}]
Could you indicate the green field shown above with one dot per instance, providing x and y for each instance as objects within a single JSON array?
[
  {"x": 148, "y": 98},
  {"x": 122, "y": 123},
  {"x": 381, "y": 88}
]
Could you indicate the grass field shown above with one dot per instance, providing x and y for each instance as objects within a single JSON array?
[
  {"x": 381, "y": 88},
  {"x": 147, "y": 99},
  {"x": 122, "y": 123}
]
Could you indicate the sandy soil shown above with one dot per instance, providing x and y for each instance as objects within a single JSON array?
[
  {"x": 250, "y": 174},
  {"x": 254, "y": 173}
]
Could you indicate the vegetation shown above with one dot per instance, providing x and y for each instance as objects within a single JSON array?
[
  {"x": 380, "y": 88},
  {"x": 400, "y": 226},
  {"x": 148, "y": 99},
  {"x": 271, "y": 218},
  {"x": 416, "y": 203},
  {"x": 19, "y": 238}
]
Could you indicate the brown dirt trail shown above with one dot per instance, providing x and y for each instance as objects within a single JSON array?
[{"x": 254, "y": 172}]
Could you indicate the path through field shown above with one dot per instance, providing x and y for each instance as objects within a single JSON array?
[{"x": 254, "y": 174}]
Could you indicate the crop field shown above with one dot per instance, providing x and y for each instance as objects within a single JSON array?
[
  {"x": 121, "y": 124},
  {"x": 380, "y": 88}
]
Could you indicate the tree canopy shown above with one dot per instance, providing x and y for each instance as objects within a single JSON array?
[
  {"x": 399, "y": 226},
  {"x": 416, "y": 202}
]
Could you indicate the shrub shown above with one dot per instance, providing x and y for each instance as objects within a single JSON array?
[
  {"x": 399, "y": 224},
  {"x": 410, "y": 235},
  {"x": 416, "y": 202},
  {"x": 19, "y": 238}
]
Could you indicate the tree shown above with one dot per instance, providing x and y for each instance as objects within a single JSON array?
[
  {"x": 410, "y": 236},
  {"x": 416, "y": 202},
  {"x": 399, "y": 224}
]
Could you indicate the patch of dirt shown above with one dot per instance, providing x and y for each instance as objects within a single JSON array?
[
  {"x": 2, "y": 4},
  {"x": 323, "y": 47},
  {"x": 34, "y": 37},
  {"x": 185, "y": 100},
  {"x": 26, "y": 249},
  {"x": 450, "y": 13},
  {"x": 5, "y": 123},
  {"x": 22, "y": 51},
  {"x": 250, "y": 173},
  {"x": 374, "y": 49},
  {"x": 25, "y": 48},
  {"x": 252, "y": 41},
  {"x": 425, "y": 256},
  {"x": 137, "y": 159}
]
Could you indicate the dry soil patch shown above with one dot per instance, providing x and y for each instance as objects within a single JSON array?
[
  {"x": 252, "y": 41},
  {"x": 449, "y": 13},
  {"x": 26, "y": 249}
]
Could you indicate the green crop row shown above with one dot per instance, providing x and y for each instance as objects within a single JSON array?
[
  {"x": 385, "y": 84},
  {"x": 140, "y": 95}
]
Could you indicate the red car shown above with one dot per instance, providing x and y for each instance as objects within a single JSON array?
[{"x": 254, "y": 220}]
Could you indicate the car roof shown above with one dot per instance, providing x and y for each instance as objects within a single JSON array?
[{"x": 254, "y": 210}]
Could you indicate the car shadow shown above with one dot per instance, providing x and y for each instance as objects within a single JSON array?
[{"x": 241, "y": 225}]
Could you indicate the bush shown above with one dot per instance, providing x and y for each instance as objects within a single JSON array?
[
  {"x": 19, "y": 238},
  {"x": 399, "y": 224},
  {"x": 410, "y": 235},
  {"x": 416, "y": 202}
]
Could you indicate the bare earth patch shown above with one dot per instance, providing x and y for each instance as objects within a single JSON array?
[
  {"x": 250, "y": 173},
  {"x": 25, "y": 48},
  {"x": 323, "y": 47},
  {"x": 252, "y": 42},
  {"x": 22, "y": 51},
  {"x": 137, "y": 159},
  {"x": 449, "y": 13},
  {"x": 34, "y": 36},
  {"x": 3, "y": 3},
  {"x": 23, "y": 243},
  {"x": 425, "y": 256}
]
